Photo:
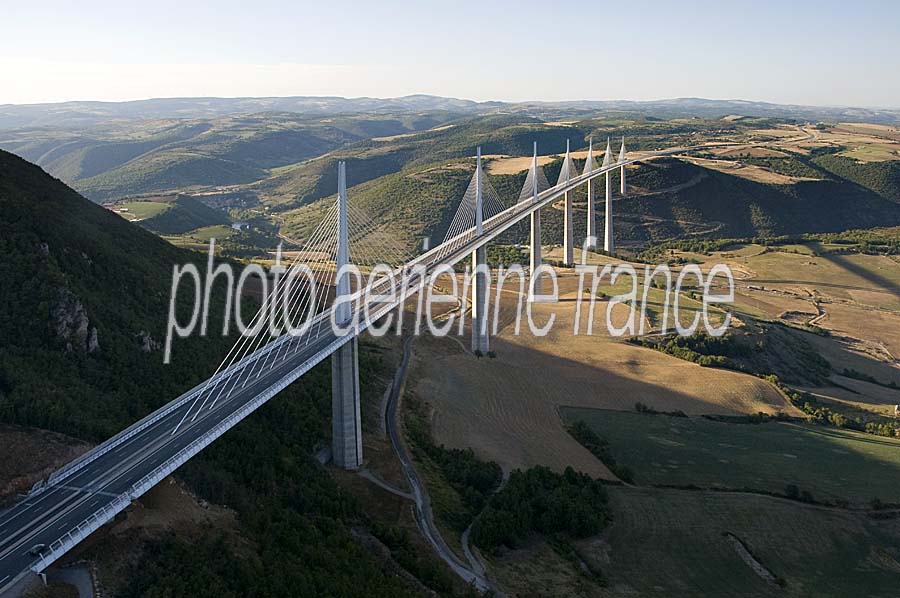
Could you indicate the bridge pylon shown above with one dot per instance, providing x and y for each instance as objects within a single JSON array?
[
  {"x": 346, "y": 429},
  {"x": 623, "y": 189},
  {"x": 608, "y": 245},
  {"x": 481, "y": 273},
  {"x": 535, "y": 253},
  {"x": 591, "y": 241},
  {"x": 568, "y": 241}
]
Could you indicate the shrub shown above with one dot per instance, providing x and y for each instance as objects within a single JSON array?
[{"x": 541, "y": 501}]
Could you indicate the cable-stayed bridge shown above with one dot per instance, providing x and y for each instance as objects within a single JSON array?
[{"x": 77, "y": 499}]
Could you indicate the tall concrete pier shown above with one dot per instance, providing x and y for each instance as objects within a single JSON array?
[
  {"x": 481, "y": 282},
  {"x": 535, "y": 253},
  {"x": 568, "y": 229},
  {"x": 346, "y": 431},
  {"x": 591, "y": 211},
  {"x": 623, "y": 189},
  {"x": 608, "y": 245}
]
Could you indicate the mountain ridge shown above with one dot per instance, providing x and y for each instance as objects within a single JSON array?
[{"x": 89, "y": 112}]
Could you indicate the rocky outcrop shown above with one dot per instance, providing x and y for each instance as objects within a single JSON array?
[
  {"x": 147, "y": 342},
  {"x": 93, "y": 344},
  {"x": 69, "y": 321}
]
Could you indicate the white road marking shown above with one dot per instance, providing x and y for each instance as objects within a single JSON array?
[{"x": 4, "y": 579}]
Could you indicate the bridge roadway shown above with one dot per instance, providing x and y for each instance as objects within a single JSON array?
[
  {"x": 52, "y": 513},
  {"x": 66, "y": 511}
]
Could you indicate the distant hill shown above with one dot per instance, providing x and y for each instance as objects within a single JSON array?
[
  {"x": 284, "y": 156},
  {"x": 131, "y": 158},
  {"x": 502, "y": 134},
  {"x": 726, "y": 205},
  {"x": 670, "y": 198},
  {"x": 86, "y": 113}
]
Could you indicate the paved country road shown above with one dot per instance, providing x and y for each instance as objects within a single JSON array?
[{"x": 424, "y": 515}]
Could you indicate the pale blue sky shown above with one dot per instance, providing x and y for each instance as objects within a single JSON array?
[{"x": 809, "y": 52}]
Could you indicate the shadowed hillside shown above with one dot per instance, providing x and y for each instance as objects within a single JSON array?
[
  {"x": 85, "y": 300},
  {"x": 86, "y": 296}
]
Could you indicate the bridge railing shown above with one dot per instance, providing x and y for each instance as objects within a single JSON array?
[
  {"x": 80, "y": 532},
  {"x": 98, "y": 451},
  {"x": 106, "y": 513}
]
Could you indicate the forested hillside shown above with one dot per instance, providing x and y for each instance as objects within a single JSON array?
[{"x": 84, "y": 298}]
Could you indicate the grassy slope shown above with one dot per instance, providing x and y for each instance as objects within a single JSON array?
[
  {"x": 184, "y": 214},
  {"x": 830, "y": 463},
  {"x": 671, "y": 543}
]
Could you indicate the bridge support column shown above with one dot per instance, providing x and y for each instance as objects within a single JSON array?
[
  {"x": 623, "y": 188},
  {"x": 481, "y": 284},
  {"x": 535, "y": 253},
  {"x": 608, "y": 228},
  {"x": 608, "y": 220},
  {"x": 480, "y": 304},
  {"x": 346, "y": 429},
  {"x": 568, "y": 240},
  {"x": 591, "y": 242}
]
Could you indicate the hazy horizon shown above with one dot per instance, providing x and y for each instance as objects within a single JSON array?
[{"x": 448, "y": 97}]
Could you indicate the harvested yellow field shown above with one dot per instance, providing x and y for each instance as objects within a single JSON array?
[
  {"x": 748, "y": 171},
  {"x": 880, "y": 328},
  {"x": 772, "y": 305},
  {"x": 855, "y": 296},
  {"x": 506, "y": 408},
  {"x": 868, "y": 279},
  {"x": 876, "y": 130},
  {"x": 857, "y": 393},
  {"x": 412, "y": 134},
  {"x": 873, "y": 152},
  {"x": 499, "y": 164},
  {"x": 753, "y": 152},
  {"x": 847, "y": 354},
  {"x": 780, "y": 133}
]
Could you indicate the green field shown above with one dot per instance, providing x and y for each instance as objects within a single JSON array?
[
  {"x": 141, "y": 210},
  {"x": 205, "y": 233},
  {"x": 830, "y": 463},
  {"x": 665, "y": 542}
]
